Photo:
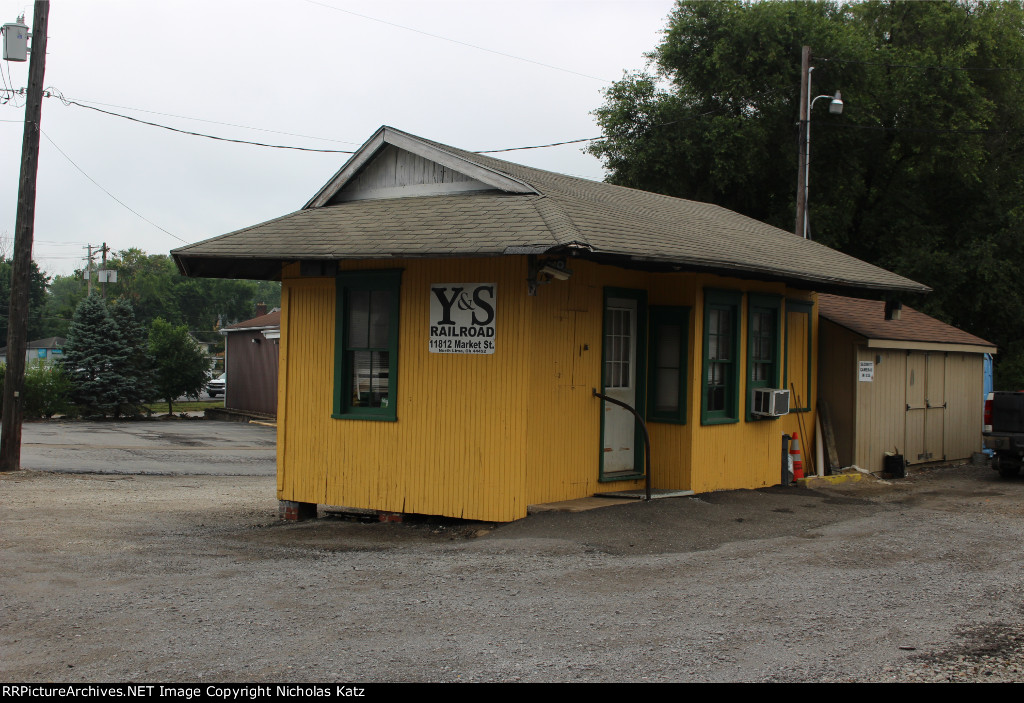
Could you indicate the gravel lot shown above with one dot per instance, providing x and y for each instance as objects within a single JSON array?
[{"x": 192, "y": 578}]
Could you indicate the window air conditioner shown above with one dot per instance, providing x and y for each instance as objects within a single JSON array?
[{"x": 770, "y": 402}]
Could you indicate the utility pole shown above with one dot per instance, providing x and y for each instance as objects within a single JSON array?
[
  {"x": 88, "y": 269},
  {"x": 17, "y": 329},
  {"x": 103, "y": 279},
  {"x": 801, "y": 179}
]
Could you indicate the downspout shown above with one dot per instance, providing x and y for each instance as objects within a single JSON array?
[{"x": 647, "y": 437}]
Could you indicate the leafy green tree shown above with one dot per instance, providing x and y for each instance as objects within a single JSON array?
[
  {"x": 180, "y": 367},
  {"x": 921, "y": 174},
  {"x": 153, "y": 286},
  {"x": 156, "y": 289},
  {"x": 36, "y": 299},
  {"x": 63, "y": 295}
]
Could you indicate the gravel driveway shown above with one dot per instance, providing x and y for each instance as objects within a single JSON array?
[{"x": 192, "y": 578}]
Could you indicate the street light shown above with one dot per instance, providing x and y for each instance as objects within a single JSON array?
[
  {"x": 807, "y": 103},
  {"x": 836, "y": 108}
]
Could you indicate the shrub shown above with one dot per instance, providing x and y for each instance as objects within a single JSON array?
[{"x": 47, "y": 391}]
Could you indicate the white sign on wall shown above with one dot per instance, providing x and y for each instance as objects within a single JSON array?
[
  {"x": 867, "y": 371},
  {"x": 462, "y": 318}
]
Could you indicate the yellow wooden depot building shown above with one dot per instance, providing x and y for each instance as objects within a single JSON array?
[{"x": 447, "y": 317}]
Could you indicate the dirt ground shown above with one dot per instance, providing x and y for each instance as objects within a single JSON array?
[{"x": 192, "y": 578}]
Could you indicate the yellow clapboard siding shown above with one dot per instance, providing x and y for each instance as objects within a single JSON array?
[
  {"x": 455, "y": 450},
  {"x": 483, "y": 436}
]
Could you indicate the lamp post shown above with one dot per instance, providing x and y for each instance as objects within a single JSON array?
[{"x": 806, "y": 104}]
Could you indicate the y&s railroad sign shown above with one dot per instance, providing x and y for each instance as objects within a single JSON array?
[{"x": 462, "y": 318}]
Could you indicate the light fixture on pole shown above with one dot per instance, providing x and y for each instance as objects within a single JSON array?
[{"x": 806, "y": 104}]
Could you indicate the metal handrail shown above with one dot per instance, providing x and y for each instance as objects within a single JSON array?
[{"x": 647, "y": 437}]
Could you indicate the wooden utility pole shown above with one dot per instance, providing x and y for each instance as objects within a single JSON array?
[
  {"x": 17, "y": 320},
  {"x": 103, "y": 281},
  {"x": 801, "y": 178},
  {"x": 88, "y": 269}
]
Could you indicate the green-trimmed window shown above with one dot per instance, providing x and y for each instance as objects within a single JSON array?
[
  {"x": 762, "y": 345},
  {"x": 366, "y": 345},
  {"x": 799, "y": 351},
  {"x": 720, "y": 385},
  {"x": 669, "y": 335}
]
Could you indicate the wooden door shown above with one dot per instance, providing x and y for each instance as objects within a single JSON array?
[
  {"x": 917, "y": 370},
  {"x": 620, "y": 382}
]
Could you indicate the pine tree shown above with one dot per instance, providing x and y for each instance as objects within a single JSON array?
[
  {"x": 138, "y": 370},
  {"x": 96, "y": 360}
]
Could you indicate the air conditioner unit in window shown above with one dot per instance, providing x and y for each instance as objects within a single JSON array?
[{"x": 770, "y": 402}]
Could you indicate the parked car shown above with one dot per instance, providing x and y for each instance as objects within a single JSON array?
[{"x": 217, "y": 386}]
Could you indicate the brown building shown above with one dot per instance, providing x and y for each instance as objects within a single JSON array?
[
  {"x": 251, "y": 363},
  {"x": 910, "y": 386}
]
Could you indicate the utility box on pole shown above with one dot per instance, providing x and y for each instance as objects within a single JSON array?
[{"x": 16, "y": 40}]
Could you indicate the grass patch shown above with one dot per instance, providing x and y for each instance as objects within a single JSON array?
[{"x": 184, "y": 406}]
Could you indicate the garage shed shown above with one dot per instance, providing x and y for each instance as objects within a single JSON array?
[{"x": 911, "y": 385}]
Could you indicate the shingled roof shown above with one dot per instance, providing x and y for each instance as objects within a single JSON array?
[
  {"x": 867, "y": 318},
  {"x": 522, "y": 210},
  {"x": 269, "y": 321}
]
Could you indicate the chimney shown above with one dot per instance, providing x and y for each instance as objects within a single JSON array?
[
  {"x": 893, "y": 308},
  {"x": 261, "y": 309}
]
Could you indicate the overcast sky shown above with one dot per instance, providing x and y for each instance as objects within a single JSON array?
[{"x": 294, "y": 72}]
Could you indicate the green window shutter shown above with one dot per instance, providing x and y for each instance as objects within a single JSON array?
[
  {"x": 366, "y": 345},
  {"x": 720, "y": 381}
]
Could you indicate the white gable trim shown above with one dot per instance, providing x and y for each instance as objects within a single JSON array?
[{"x": 387, "y": 135}]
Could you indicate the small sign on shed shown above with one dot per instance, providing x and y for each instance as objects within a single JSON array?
[{"x": 867, "y": 371}]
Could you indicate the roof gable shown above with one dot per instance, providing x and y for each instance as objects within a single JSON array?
[{"x": 393, "y": 164}]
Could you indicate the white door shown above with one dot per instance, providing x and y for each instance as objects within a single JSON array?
[{"x": 620, "y": 381}]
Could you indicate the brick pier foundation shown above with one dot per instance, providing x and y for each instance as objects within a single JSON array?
[{"x": 291, "y": 510}]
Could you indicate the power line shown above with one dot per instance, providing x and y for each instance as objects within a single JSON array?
[
  {"x": 924, "y": 68},
  {"x": 538, "y": 146},
  {"x": 880, "y": 128},
  {"x": 205, "y": 136},
  {"x": 115, "y": 198},
  {"x": 456, "y": 41},
  {"x": 54, "y": 93},
  {"x": 200, "y": 119}
]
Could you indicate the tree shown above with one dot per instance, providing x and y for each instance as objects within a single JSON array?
[
  {"x": 94, "y": 359},
  {"x": 180, "y": 366},
  {"x": 47, "y": 390},
  {"x": 156, "y": 289},
  {"x": 63, "y": 295},
  {"x": 921, "y": 174},
  {"x": 36, "y": 299},
  {"x": 153, "y": 286},
  {"x": 139, "y": 366}
]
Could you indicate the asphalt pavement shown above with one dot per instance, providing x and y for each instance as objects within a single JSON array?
[{"x": 175, "y": 446}]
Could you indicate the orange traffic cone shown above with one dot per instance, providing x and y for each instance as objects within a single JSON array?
[{"x": 794, "y": 453}]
